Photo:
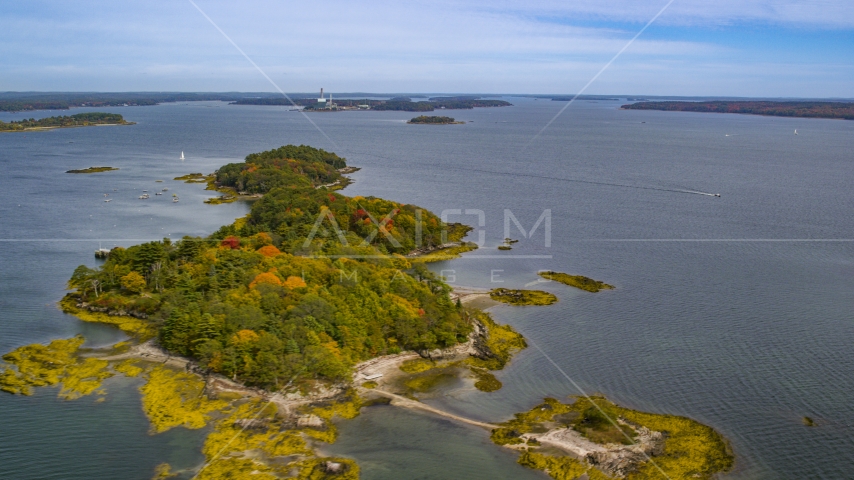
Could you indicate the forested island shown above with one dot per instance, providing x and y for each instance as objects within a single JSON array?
[
  {"x": 434, "y": 120},
  {"x": 308, "y": 309},
  {"x": 79, "y": 120},
  {"x": 839, "y": 110}
]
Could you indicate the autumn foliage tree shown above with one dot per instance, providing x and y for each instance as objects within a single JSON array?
[
  {"x": 254, "y": 303},
  {"x": 133, "y": 282}
]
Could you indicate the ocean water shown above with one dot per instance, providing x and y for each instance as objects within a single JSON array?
[{"x": 735, "y": 311}]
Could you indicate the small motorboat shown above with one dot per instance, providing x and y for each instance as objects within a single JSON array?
[{"x": 159, "y": 193}]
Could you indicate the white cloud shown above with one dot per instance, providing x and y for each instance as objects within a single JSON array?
[
  {"x": 498, "y": 46},
  {"x": 809, "y": 13}
]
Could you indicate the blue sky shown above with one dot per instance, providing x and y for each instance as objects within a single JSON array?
[{"x": 727, "y": 47}]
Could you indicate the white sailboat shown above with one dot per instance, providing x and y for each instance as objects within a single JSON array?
[
  {"x": 796, "y": 131},
  {"x": 182, "y": 155}
]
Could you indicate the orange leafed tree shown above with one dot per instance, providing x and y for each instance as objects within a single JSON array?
[
  {"x": 266, "y": 277},
  {"x": 269, "y": 251}
]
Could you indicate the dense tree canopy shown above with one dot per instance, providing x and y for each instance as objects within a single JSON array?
[
  {"x": 289, "y": 166},
  {"x": 280, "y": 294}
]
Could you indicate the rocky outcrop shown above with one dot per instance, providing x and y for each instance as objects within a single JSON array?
[
  {"x": 252, "y": 423},
  {"x": 475, "y": 346},
  {"x": 478, "y": 338},
  {"x": 312, "y": 421},
  {"x": 114, "y": 313},
  {"x": 432, "y": 248},
  {"x": 333, "y": 468},
  {"x": 613, "y": 459},
  {"x": 617, "y": 463}
]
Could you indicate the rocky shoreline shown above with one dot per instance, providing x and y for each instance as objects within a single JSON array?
[
  {"x": 384, "y": 380},
  {"x": 614, "y": 459}
]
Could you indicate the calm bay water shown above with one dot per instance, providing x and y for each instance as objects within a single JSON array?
[{"x": 747, "y": 335}]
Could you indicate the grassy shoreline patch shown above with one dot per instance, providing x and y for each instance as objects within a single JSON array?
[
  {"x": 131, "y": 325},
  {"x": 57, "y": 363},
  {"x": 522, "y": 297},
  {"x": 485, "y": 381},
  {"x": 173, "y": 398},
  {"x": 691, "y": 449},
  {"x": 577, "y": 281},
  {"x": 417, "y": 365},
  {"x": 92, "y": 170},
  {"x": 448, "y": 253}
]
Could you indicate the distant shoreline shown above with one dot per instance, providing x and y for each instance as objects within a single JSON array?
[
  {"x": 30, "y": 129},
  {"x": 92, "y": 119},
  {"x": 826, "y": 110}
]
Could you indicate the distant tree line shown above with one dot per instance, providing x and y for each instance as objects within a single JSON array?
[
  {"x": 779, "y": 109},
  {"x": 567, "y": 98},
  {"x": 404, "y": 104},
  {"x": 448, "y": 103},
  {"x": 19, "y": 102},
  {"x": 458, "y": 97},
  {"x": 275, "y": 101}
]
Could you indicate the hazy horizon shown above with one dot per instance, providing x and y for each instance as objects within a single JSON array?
[{"x": 304, "y": 94}]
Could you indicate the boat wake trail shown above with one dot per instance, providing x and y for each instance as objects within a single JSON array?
[
  {"x": 704, "y": 193},
  {"x": 559, "y": 179},
  {"x": 591, "y": 182}
]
